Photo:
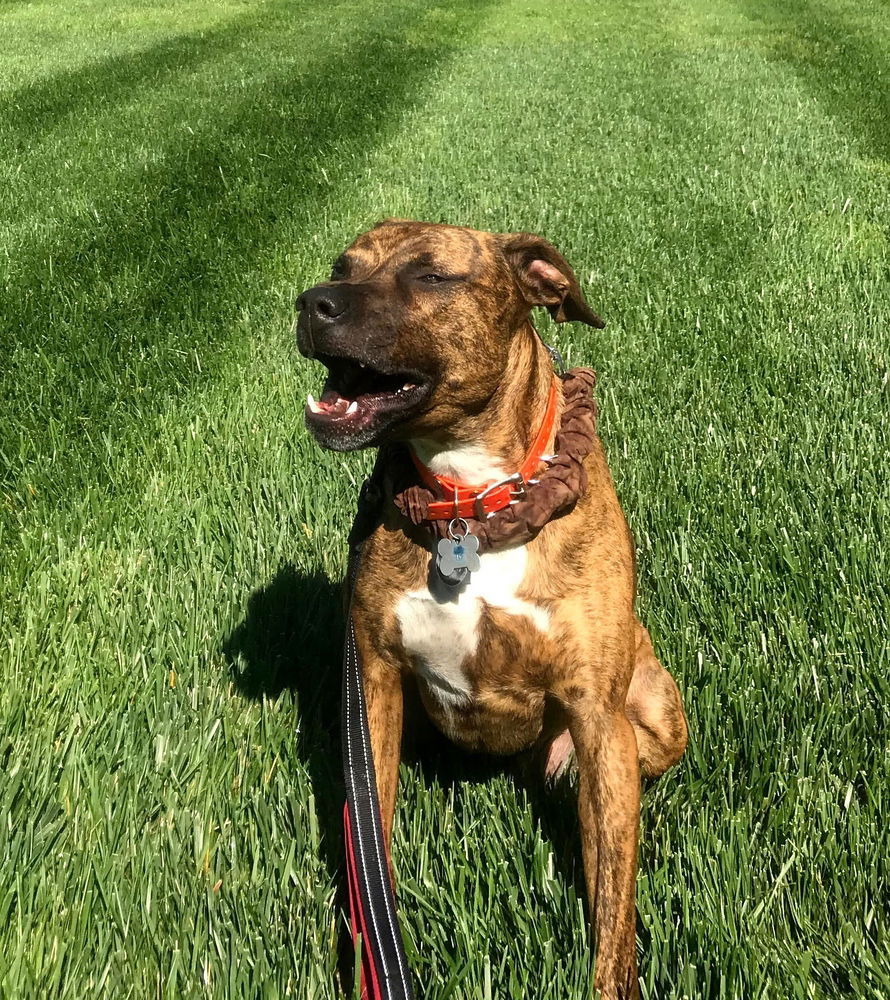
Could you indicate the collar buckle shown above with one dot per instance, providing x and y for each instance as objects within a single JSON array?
[{"x": 518, "y": 493}]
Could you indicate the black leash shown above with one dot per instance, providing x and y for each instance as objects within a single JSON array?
[{"x": 385, "y": 973}]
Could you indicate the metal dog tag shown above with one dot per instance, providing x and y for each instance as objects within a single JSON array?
[{"x": 458, "y": 555}]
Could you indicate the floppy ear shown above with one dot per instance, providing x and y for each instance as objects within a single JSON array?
[{"x": 545, "y": 278}]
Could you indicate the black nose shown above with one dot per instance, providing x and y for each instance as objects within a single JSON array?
[{"x": 324, "y": 303}]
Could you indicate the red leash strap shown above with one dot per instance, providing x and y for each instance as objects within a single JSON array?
[
  {"x": 357, "y": 921},
  {"x": 372, "y": 909}
]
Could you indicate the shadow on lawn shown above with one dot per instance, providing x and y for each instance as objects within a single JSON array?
[
  {"x": 28, "y": 113},
  {"x": 290, "y": 639},
  {"x": 142, "y": 286},
  {"x": 840, "y": 65}
]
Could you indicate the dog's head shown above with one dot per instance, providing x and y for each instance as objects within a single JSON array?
[{"x": 415, "y": 325}]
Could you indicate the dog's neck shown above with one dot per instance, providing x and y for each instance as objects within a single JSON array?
[{"x": 493, "y": 443}]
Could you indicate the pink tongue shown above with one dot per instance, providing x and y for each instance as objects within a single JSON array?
[{"x": 333, "y": 402}]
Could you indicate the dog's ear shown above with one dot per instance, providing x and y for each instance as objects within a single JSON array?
[{"x": 545, "y": 278}]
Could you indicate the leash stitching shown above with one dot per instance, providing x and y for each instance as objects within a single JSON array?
[
  {"x": 390, "y": 915},
  {"x": 352, "y": 775}
]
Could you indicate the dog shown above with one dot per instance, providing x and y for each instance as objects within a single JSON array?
[{"x": 432, "y": 357}]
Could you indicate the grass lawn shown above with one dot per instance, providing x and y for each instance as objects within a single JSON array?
[{"x": 171, "y": 175}]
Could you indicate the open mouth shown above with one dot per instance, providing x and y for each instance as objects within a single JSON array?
[{"x": 358, "y": 400}]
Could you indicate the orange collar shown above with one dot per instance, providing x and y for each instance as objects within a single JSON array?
[{"x": 479, "y": 501}]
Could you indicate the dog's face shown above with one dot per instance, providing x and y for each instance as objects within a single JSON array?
[{"x": 415, "y": 324}]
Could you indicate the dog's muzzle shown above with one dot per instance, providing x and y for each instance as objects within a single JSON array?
[{"x": 365, "y": 393}]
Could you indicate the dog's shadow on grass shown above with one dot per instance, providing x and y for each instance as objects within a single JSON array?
[{"x": 289, "y": 640}]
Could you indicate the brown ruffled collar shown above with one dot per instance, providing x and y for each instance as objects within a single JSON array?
[{"x": 554, "y": 494}]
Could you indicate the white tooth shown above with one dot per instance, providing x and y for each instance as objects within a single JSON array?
[
  {"x": 406, "y": 387},
  {"x": 310, "y": 400},
  {"x": 353, "y": 406}
]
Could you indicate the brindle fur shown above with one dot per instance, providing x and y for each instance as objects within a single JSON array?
[{"x": 593, "y": 672}]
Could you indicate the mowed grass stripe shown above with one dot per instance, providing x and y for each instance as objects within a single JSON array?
[{"x": 168, "y": 637}]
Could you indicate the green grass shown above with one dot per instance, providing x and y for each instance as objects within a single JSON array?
[{"x": 171, "y": 176}]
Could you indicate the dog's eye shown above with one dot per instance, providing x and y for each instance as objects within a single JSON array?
[{"x": 432, "y": 279}]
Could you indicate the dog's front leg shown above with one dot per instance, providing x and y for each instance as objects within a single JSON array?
[
  {"x": 609, "y": 814},
  {"x": 382, "y": 683}
]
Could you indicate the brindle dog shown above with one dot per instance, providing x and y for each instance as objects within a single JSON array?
[{"x": 426, "y": 334}]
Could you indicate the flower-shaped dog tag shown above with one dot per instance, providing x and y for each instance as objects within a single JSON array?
[{"x": 457, "y": 557}]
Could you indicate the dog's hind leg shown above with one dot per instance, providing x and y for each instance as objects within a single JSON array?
[{"x": 655, "y": 710}]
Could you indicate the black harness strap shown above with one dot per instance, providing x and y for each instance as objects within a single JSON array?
[{"x": 385, "y": 970}]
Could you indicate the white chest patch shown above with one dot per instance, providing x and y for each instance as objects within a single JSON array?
[
  {"x": 469, "y": 463},
  {"x": 440, "y": 635}
]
